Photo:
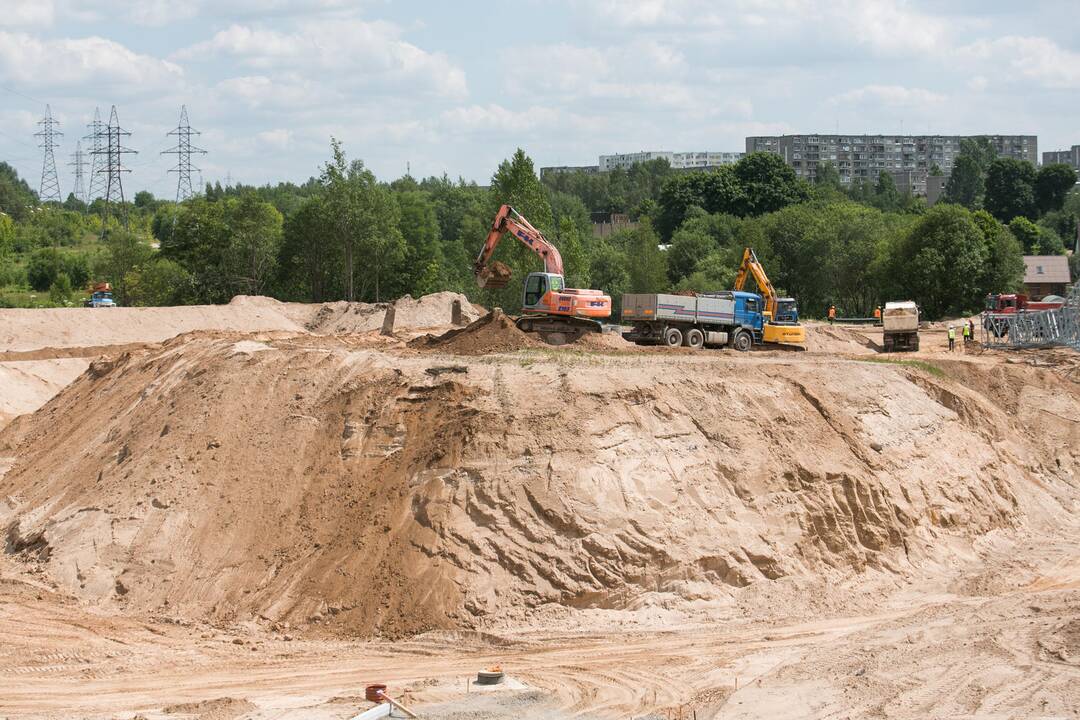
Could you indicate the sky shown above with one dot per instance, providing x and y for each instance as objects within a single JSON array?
[{"x": 456, "y": 86}]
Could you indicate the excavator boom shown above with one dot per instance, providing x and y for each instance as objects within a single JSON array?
[
  {"x": 508, "y": 220},
  {"x": 786, "y": 329}
]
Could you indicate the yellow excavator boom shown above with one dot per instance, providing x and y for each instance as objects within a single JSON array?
[{"x": 787, "y": 333}]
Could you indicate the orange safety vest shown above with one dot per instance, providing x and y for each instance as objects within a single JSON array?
[
  {"x": 877, "y": 313},
  {"x": 832, "y": 312}
]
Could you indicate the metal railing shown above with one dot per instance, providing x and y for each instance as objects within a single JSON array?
[{"x": 1042, "y": 328}]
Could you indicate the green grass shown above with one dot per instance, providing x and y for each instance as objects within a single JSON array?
[{"x": 920, "y": 364}]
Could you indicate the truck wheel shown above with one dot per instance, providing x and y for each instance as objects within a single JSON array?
[
  {"x": 673, "y": 337},
  {"x": 742, "y": 341},
  {"x": 695, "y": 339}
]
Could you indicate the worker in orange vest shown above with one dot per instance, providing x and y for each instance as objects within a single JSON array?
[
  {"x": 832, "y": 313},
  {"x": 877, "y": 314}
]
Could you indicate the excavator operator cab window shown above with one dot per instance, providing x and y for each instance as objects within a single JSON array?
[
  {"x": 535, "y": 288},
  {"x": 557, "y": 283}
]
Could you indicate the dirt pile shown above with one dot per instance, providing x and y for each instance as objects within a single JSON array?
[
  {"x": 822, "y": 337},
  {"x": 25, "y": 330},
  {"x": 492, "y": 333},
  {"x": 364, "y": 491}
]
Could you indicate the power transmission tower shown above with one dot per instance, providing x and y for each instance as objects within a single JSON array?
[
  {"x": 183, "y": 152},
  {"x": 50, "y": 183},
  {"x": 97, "y": 137},
  {"x": 113, "y": 167},
  {"x": 78, "y": 161}
]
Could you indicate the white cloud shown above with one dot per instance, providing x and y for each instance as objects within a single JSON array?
[
  {"x": 17, "y": 13},
  {"x": 1027, "y": 58},
  {"x": 277, "y": 139},
  {"x": 480, "y": 118},
  {"x": 75, "y": 62},
  {"x": 360, "y": 52},
  {"x": 892, "y": 96}
]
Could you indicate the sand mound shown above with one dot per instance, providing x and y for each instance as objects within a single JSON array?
[
  {"x": 25, "y": 330},
  {"x": 429, "y": 311},
  {"x": 821, "y": 337},
  {"x": 366, "y": 492},
  {"x": 27, "y": 385},
  {"x": 492, "y": 333}
]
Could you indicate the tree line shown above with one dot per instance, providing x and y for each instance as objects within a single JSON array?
[{"x": 345, "y": 235}]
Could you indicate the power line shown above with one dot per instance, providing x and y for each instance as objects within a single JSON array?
[
  {"x": 49, "y": 189},
  {"x": 183, "y": 151},
  {"x": 113, "y": 155},
  {"x": 97, "y": 136},
  {"x": 78, "y": 161}
]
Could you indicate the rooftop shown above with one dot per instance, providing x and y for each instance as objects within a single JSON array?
[{"x": 1046, "y": 269}]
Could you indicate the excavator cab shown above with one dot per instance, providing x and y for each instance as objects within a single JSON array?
[
  {"x": 787, "y": 312},
  {"x": 537, "y": 285}
]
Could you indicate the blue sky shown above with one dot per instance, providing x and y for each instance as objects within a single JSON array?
[{"x": 455, "y": 86}]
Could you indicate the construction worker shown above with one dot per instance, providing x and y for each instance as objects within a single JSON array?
[
  {"x": 832, "y": 313},
  {"x": 971, "y": 329},
  {"x": 967, "y": 335},
  {"x": 877, "y": 315},
  {"x": 952, "y": 337}
]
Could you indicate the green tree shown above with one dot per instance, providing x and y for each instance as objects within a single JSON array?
[
  {"x": 967, "y": 182},
  {"x": 60, "y": 290},
  {"x": 365, "y": 223},
  {"x": 608, "y": 272},
  {"x": 1052, "y": 185},
  {"x": 16, "y": 197},
  {"x": 689, "y": 246},
  {"x": 419, "y": 226},
  {"x": 159, "y": 281},
  {"x": 255, "y": 229},
  {"x": 648, "y": 271},
  {"x": 43, "y": 267},
  {"x": 574, "y": 254},
  {"x": 1004, "y": 268},
  {"x": 7, "y": 236},
  {"x": 886, "y": 196},
  {"x": 767, "y": 184},
  {"x": 1026, "y": 233},
  {"x": 310, "y": 258},
  {"x": 941, "y": 262},
  {"x": 124, "y": 253},
  {"x": 1010, "y": 189}
]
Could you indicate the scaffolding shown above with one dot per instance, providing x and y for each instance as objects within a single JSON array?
[{"x": 1042, "y": 328}]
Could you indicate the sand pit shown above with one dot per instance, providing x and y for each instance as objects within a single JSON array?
[
  {"x": 235, "y": 524},
  {"x": 493, "y": 489}
]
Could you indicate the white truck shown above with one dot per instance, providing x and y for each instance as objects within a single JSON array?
[{"x": 900, "y": 326}]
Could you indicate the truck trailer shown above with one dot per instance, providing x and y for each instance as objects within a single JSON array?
[{"x": 731, "y": 318}]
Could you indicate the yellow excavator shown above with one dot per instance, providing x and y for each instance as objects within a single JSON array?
[{"x": 781, "y": 314}]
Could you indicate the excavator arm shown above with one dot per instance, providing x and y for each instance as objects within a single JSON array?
[
  {"x": 751, "y": 266},
  {"x": 508, "y": 220}
]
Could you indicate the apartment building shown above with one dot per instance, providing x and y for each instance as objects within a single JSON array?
[
  {"x": 866, "y": 156},
  {"x": 678, "y": 160},
  {"x": 1069, "y": 157}
]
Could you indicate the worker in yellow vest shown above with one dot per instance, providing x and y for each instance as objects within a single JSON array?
[{"x": 952, "y": 337}]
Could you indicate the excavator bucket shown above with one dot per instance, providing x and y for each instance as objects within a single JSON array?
[{"x": 494, "y": 276}]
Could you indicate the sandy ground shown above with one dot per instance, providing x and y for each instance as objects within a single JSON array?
[{"x": 258, "y": 524}]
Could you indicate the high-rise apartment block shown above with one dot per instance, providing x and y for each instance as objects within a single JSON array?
[
  {"x": 677, "y": 160},
  {"x": 1069, "y": 157},
  {"x": 909, "y": 158}
]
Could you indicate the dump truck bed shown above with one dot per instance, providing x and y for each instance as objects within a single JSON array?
[{"x": 716, "y": 309}]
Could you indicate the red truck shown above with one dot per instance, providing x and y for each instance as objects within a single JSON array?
[{"x": 1010, "y": 304}]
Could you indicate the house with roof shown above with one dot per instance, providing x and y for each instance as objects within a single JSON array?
[{"x": 1046, "y": 275}]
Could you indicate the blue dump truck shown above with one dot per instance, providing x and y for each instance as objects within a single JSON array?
[{"x": 730, "y": 317}]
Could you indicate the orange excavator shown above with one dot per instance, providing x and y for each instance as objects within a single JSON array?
[{"x": 557, "y": 313}]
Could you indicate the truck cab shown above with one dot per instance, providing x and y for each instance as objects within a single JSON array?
[
  {"x": 750, "y": 312},
  {"x": 100, "y": 299}
]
